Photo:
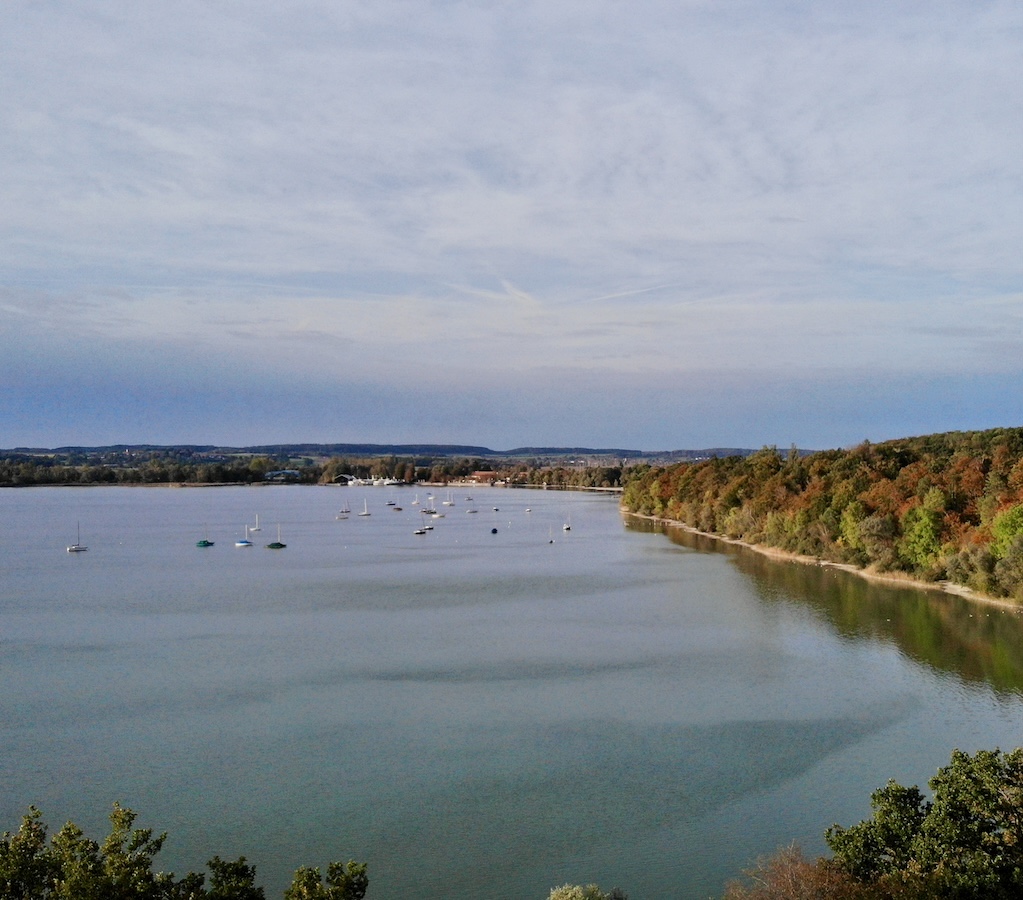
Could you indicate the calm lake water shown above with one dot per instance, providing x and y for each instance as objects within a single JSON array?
[{"x": 475, "y": 715}]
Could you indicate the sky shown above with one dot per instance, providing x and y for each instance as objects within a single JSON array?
[{"x": 664, "y": 224}]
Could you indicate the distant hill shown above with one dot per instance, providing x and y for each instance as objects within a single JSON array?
[{"x": 434, "y": 451}]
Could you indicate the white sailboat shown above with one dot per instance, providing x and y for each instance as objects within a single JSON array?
[
  {"x": 244, "y": 542},
  {"x": 77, "y": 546},
  {"x": 365, "y": 509},
  {"x": 256, "y": 526}
]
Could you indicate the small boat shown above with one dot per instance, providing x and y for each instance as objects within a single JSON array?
[
  {"x": 205, "y": 542},
  {"x": 256, "y": 526},
  {"x": 419, "y": 531},
  {"x": 276, "y": 545},
  {"x": 365, "y": 509},
  {"x": 449, "y": 502},
  {"x": 416, "y": 501},
  {"x": 77, "y": 546},
  {"x": 244, "y": 542},
  {"x": 568, "y": 525}
]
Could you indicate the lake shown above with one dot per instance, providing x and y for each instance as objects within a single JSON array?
[{"x": 473, "y": 714}]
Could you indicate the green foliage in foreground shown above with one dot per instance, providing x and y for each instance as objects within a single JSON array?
[
  {"x": 587, "y": 892},
  {"x": 964, "y": 843},
  {"x": 73, "y": 867}
]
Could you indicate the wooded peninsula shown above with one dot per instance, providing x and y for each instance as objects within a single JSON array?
[{"x": 939, "y": 508}]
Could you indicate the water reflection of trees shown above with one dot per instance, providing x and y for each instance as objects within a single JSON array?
[{"x": 977, "y": 641}]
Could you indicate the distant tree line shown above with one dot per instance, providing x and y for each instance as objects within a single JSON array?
[
  {"x": 940, "y": 507},
  {"x": 168, "y": 466},
  {"x": 570, "y": 476},
  {"x": 187, "y": 466}
]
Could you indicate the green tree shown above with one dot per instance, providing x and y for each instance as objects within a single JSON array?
[
  {"x": 921, "y": 533},
  {"x": 25, "y": 866},
  {"x": 966, "y": 842},
  {"x": 233, "y": 880},
  {"x": 345, "y": 881},
  {"x": 884, "y": 844},
  {"x": 1005, "y": 527},
  {"x": 74, "y": 867},
  {"x": 587, "y": 892}
]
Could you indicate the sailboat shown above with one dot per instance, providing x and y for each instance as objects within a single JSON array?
[
  {"x": 365, "y": 509},
  {"x": 256, "y": 526},
  {"x": 568, "y": 525},
  {"x": 276, "y": 545},
  {"x": 244, "y": 542},
  {"x": 205, "y": 542},
  {"x": 77, "y": 546}
]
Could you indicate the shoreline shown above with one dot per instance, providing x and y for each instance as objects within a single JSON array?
[{"x": 900, "y": 579}]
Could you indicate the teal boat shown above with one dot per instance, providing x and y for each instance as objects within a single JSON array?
[{"x": 276, "y": 545}]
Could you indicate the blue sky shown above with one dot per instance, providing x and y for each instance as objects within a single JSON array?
[{"x": 657, "y": 225}]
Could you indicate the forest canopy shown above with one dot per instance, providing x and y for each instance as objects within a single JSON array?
[{"x": 943, "y": 507}]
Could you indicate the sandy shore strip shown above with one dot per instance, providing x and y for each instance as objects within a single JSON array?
[{"x": 896, "y": 578}]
